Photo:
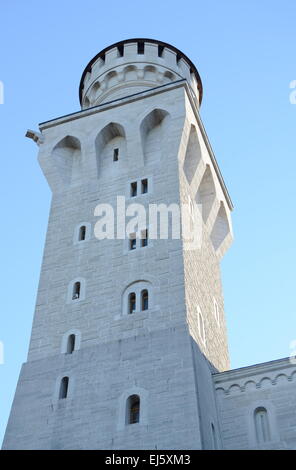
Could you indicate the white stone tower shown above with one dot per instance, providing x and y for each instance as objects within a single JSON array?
[{"x": 127, "y": 334}]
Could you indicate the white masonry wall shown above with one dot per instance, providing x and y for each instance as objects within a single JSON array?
[
  {"x": 159, "y": 354},
  {"x": 119, "y": 354},
  {"x": 240, "y": 392}
]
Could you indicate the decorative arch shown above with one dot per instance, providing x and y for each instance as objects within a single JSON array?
[
  {"x": 68, "y": 158},
  {"x": 265, "y": 382},
  {"x": 111, "y": 79},
  {"x": 150, "y": 73},
  {"x": 192, "y": 156},
  {"x": 111, "y": 137},
  {"x": 130, "y": 73},
  {"x": 152, "y": 129},
  {"x": 281, "y": 379},
  {"x": 249, "y": 386},
  {"x": 235, "y": 388},
  {"x": 168, "y": 76},
  {"x": 86, "y": 103},
  {"x": 95, "y": 91}
]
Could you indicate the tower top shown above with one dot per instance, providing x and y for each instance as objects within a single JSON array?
[{"x": 134, "y": 65}]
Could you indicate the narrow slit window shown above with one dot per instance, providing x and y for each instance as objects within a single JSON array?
[
  {"x": 82, "y": 233},
  {"x": 144, "y": 239},
  {"x": 133, "y": 409},
  {"x": 160, "y": 50},
  {"x": 144, "y": 299},
  {"x": 71, "y": 344},
  {"x": 131, "y": 303},
  {"x": 64, "y": 388},
  {"x": 141, "y": 47},
  {"x": 120, "y": 50},
  {"x": 262, "y": 425},
  {"x": 115, "y": 155},
  {"x": 134, "y": 189},
  {"x": 132, "y": 241},
  {"x": 76, "y": 291},
  {"x": 144, "y": 186}
]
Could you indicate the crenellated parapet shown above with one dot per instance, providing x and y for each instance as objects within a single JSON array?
[{"x": 132, "y": 66}]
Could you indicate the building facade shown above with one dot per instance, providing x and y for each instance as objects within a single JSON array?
[{"x": 129, "y": 346}]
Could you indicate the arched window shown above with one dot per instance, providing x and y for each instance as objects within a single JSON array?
[
  {"x": 133, "y": 409},
  {"x": 144, "y": 299},
  {"x": 132, "y": 302},
  {"x": 76, "y": 291},
  {"x": 82, "y": 233},
  {"x": 70, "y": 344},
  {"x": 64, "y": 388},
  {"x": 138, "y": 297},
  {"x": 261, "y": 425}
]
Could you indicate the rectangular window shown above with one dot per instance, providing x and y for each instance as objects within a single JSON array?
[
  {"x": 133, "y": 189},
  {"x": 132, "y": 302},
  {"x": 144, "y": 239},
  {"x": 115, "y": 155},
  {"x": 160, "y": 50},
  {"x": 132, "y": 241},
  {"x": 141, "y": 47},
  {"x": 144, "y": 186},
  {"x": 120, "y": 50}
]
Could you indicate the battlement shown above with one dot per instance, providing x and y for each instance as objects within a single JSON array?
[{"x": 132, "y": 66}]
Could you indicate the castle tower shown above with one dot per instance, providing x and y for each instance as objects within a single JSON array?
[{"x": 127, "y": 332}]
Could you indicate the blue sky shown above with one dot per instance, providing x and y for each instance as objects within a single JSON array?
[{"x": 245, "y": 53}]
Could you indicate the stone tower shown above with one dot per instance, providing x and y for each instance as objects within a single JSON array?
[{"x": 127, "y": 332}]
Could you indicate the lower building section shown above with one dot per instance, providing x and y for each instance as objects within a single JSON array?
[
  {"x": 152, "y": 391},
  {"x": 137, "y": 393}
]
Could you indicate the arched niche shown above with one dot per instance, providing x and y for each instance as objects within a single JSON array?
[
  {"x": 168, "y": 76},
  {"x": 221, "y": 227},
  {"x": 110, "y": 147},
  {"x": 130, "y": 73},
  {"x": 150, "y": 73},
  {"x": 153, "y": 128},
  {"x": 95, "y": 91},
  {"x": 68, "y": 159},
  {"x": 192, "y": 156},
  {"x": 206, "y": 193},
  {"x": 111, "y": 79}
]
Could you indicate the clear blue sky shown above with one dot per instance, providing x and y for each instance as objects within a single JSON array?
[{"x": 245, "y": 53}]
